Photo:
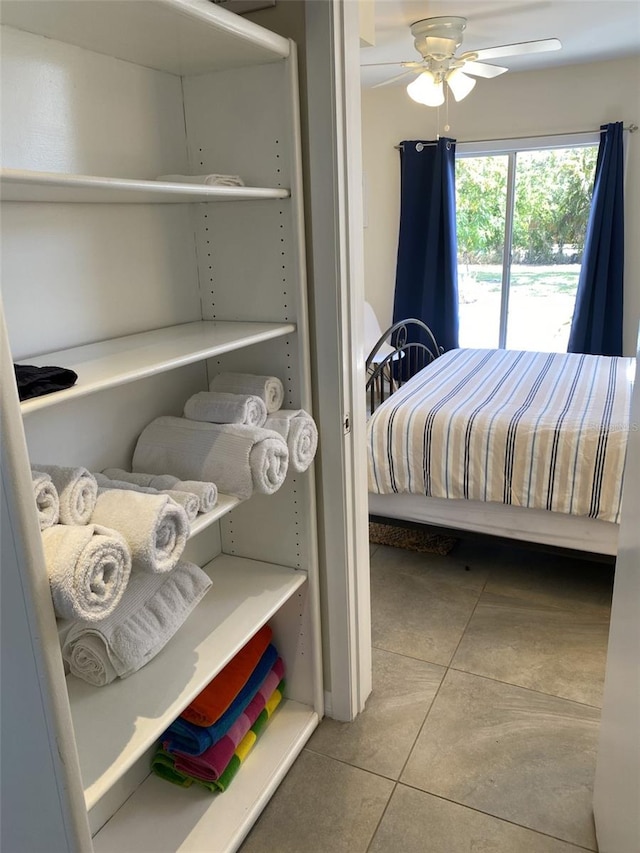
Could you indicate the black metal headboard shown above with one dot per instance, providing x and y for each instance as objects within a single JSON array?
[{"x": 394, "y": 359}]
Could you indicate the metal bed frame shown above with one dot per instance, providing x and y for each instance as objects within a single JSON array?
[{"x": 387, "y": 373}]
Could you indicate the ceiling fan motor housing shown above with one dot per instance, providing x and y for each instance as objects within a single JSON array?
[{"x": 438, "y": 38}]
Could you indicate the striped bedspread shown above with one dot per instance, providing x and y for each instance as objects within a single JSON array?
[{"x": 545, "y": 430}]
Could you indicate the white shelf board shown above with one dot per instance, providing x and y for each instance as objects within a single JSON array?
[
  {"x": 224, "y": 504},
  {"x": 167, "y": 819},
  {"x": 115, "y": 724},
  {"x": 120, "y": 360},
  {"x": 59, "y": 187},
  {"x": 179, "y": 36}
]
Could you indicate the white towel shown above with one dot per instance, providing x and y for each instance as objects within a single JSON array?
[
  {"x": 207, "y": 493},
  {"x": 155, "y": 527},
  {"x": 300, "y": 432},
  {"x": 88, "y": 568},
  {"x": 208, "y": 180},
  {"x": 47, "y": 501},
  {"x": 189, "y": 502},
  {"x": 220, "y": 407},
  {"x": 77, "y": 491},
  {"x": 268, "y": 388},
  {"x": 152, "y": 609},
  {"x": 240, "y": 459}
]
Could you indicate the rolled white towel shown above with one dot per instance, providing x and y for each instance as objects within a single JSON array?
[
  {"x": 189, "y": 502},
  {"x": 152, "y": 609},
  {"x": 47, "y": 500},
  {"x": 240, "y": 459},
  {"x": 155, "y": 527},
  {"x": 268, "y": 388},
  {"x": 220, "y": 407},
  {"x": 77, "y": 492},
  {"x": 299, "y": 430},
  {"x": 207, "y": 493},
  {"x": 88, "y": 567},
  {"x": 208, "y": 180}
]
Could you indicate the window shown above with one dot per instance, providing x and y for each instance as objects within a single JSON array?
[{"x": 522, "y": 212}]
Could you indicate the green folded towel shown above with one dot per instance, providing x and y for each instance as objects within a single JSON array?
[{"x": 163, "y": 765}]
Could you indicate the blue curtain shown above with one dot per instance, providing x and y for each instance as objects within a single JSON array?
[
  {"x": 427, "y": 271},
  {"x": 597, "y": 319}
]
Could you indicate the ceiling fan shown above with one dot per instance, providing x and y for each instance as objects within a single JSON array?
[{"x": 437, "y": 40}]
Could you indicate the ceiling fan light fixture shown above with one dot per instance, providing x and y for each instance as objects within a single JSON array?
[
  {"x": 426, "y": 90},
  {"x": 460, "y": 83}
]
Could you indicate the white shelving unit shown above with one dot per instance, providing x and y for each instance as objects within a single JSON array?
[{"x": 146, "y": 289}]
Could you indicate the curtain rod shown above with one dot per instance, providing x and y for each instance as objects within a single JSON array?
[{"x": 630, "y": 128}]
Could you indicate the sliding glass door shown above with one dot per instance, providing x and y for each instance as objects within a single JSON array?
[{"x": 522, "y": 212}]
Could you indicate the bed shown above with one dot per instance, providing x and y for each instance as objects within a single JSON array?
[{"x": 515, "y": 444}]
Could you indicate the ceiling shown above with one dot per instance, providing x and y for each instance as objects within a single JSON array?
[{"x": 590, "y": 30}]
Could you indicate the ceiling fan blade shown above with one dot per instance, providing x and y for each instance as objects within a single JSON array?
[
  {"x": 481, "y": 69},
  {"x": 407, "y": 64},
  {"x": 539, "y": 46},
  {"x": 394, "y": 78}
]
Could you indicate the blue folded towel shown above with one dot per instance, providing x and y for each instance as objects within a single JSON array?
[{"x": 183, "y": 736}]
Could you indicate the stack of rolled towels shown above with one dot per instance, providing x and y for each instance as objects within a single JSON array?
[
  {"x": 235, "y": 434},
  {"x": 209, "y": 741},
  {"x": 119, "y": 587}
]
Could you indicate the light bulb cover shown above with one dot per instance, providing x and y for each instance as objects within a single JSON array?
[
  {"x": 460, "y": 83},
  {"x": 426, "y": 90}
]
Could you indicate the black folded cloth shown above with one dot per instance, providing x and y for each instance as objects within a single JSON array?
[{"x": 35, "y": 381}]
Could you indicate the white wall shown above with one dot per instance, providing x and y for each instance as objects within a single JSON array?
[{"x": 571, "y": 98}]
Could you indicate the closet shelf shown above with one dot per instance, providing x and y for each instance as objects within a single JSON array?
[
  {"x": 31, "y": 186},
  {"x": 115, "y": 362},
  {"x": 179, "y": 36},
  {"x": 115, "y": 725},
  {"x": 224, "y": 504},
  {"x": 165, "y": 818}
]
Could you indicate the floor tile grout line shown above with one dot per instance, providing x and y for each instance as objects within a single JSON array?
[
  {"x": 529, "y": 689},
  {"x": 464, "y": 630},
  {"x": 384, "y": 811},
  {"x": 372, "y": 773},
  {"x": 497, "y": 817}
]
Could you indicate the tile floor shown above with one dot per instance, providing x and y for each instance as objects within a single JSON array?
[{"x": 480, "y": 734}]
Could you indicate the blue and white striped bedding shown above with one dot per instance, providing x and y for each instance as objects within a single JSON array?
[{"x": 545, "y": 430}]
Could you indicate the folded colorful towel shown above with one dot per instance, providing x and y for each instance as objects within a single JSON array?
[
  {"x": 163, "y": 764},
  {"x": 183, "y": 736},
  {"x": 246, "y": 745},
  {"x": 189, "y": 502},
  {"x": 211, "y": 703},
  {"x": 207, "y": 493},
  {"x": 155, "y": 527},
  {"x": 300, "y": 432},
  {"x": 152, "y": 609},
  {"x": 268, "y": 388},
  {"x": 220, "y": 407},
  {"x": 47, "y": 501},
  {"x": 77, "y": 492},
  {"x": 88, "y": 568},
  {"x": 211, "y": 764},
  {"x": 240, "y": 459}
]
